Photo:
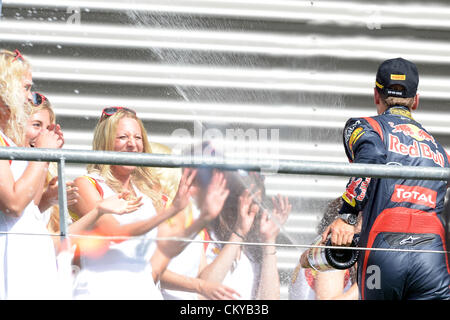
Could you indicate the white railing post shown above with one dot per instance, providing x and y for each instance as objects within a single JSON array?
[
  {"x": 65, "y": 255},
  {"x": 62, "y": 199}
]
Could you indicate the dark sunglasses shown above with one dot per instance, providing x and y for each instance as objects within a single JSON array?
[
  {"x": 38, "y": 99},
  {"x": 18, "y": 56},
  {"x": 109, "y": 111}
]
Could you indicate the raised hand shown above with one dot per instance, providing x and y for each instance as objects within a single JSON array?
[
  {"x": 282, "y": 205},
  {"x": 116, "y": 204},
  {"x": 216, "y": 195},
  {"x": 183, "y": 195},
  {"x": 247, "y": 212},
  {"x": 56, "y": 128},
  {"x": 48, "y": 139},
  {"x": 270, "y": 225}
]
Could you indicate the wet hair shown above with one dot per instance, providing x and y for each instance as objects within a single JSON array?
[
  {"x": 204, "y": 174},
  {"x": 237, "y": 182},
  {"x": 222, "y": 227},
  {"x": 393, "y": 101}
]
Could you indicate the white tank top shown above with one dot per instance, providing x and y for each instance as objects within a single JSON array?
[
  {"x": 244, "y": 275},
  {"x": 186, "y": 263},
  {"x": 27, "y": 262},
  {"x": 124, "y": 270}
]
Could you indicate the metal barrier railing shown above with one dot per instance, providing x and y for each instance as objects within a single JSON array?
[{"x": 280, "y": 166}]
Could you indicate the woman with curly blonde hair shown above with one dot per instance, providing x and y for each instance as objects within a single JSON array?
[
  {"x": 27, "y": 260},
  {"x": 15, "y": 91}
]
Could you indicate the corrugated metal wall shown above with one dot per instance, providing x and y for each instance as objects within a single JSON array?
[{"x": 293, "y": 70}]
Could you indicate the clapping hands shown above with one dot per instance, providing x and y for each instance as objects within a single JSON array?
[
  {"x": 51, "y": 193},
  {"x": 117, "y": 204}
]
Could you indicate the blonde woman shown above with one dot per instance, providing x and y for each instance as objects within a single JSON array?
[
  {"x": 15, "y": 91},
  {"x": 27, "y": 261},
  {"x": 121, "y": 269},
  {"x": 42, "y": 116}
]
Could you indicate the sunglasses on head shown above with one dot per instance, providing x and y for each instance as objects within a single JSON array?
[
  {"x": 109, "y": 111},
  {"x": 18, "y": 56},
  {"x": 38, "y": 99}
]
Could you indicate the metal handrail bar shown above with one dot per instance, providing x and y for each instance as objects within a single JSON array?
[{"x": 278, "y": 166}]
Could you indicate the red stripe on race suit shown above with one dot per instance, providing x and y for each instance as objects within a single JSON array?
[
  {"x": 376, "y": 126},
  {"x": 404, "y": 220}
]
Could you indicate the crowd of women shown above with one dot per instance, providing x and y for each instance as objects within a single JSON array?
[{"x": 122, "y": 218}]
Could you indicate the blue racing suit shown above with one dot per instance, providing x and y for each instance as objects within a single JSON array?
[{"x": 398, "y": 213}]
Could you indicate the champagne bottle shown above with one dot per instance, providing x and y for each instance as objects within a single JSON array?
[{"x": 326, "y": 259}]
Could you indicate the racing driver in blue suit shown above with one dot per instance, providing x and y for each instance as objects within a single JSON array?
[{"x": 402, "y": 214}]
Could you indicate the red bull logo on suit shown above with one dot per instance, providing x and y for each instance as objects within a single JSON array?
[
  {"x": 417, "y": 148},
  {"x": 413, "y": 131}
]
